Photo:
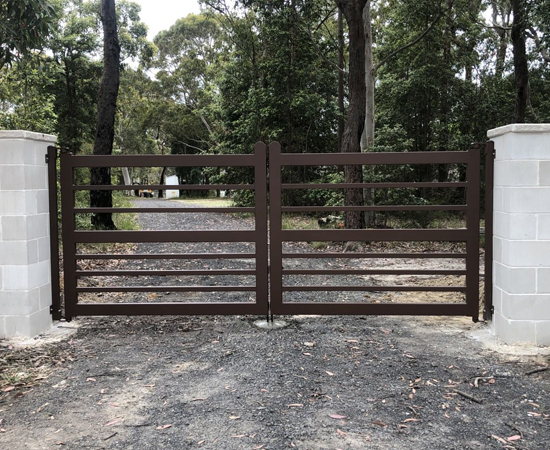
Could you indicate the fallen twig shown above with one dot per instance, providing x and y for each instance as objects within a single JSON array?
[
  {"x": 110, "y": 436},
  {"x": 538, "y": 370},
  {"x": 478, "y": 379},
  {"x": 469, "y": 397},
  {"x": 514, "y": 427}
]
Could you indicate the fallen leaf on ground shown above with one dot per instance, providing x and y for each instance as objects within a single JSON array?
[
  {"x": 307, "y": 354},
  {"x": 337, "y": 416},
  {"x": 330, "y": 374},
  {"x": 499, "y": 439},
  {"x": 516, "y": 437},
  {"x": 8, "y": 389},
  {"x": 295, "y": 405},
  {"x": 259, "y": 447},
  {"x": 163, "y": 427},
  {"x": 411, "y": 420},
  {"x": 378, "y": 422},
  {"x": 234, "y": 417},
  {"x": 113, "y": 422},
  {"x": 91, "y": 379},
  {"x": 309, "y": 344},
  {"x": 239, "y": 436},
  {"x": 341, "y": 433}
]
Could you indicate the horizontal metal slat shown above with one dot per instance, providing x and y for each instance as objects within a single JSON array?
[
  {"x": 167, "y": 289},
  {"x": 163, "y": 236},
  {"x": 374, "y": 235},
  {"x": 82, "y": 256},
  {"x": 373, "y": 185},
  {"x": 164, "y": 187},
  {"x": 146, "y": 309},
  {"x": 164, "y": 161},
  {"x": 375, "y": 208},
  {"x": 372, "y": 272},
  {"x": 162, "y": 210},
  {"x": 393, "y": 309},
  {"x": 376, "y": 255},
  {"x": 373, "y": 289},
  {"x": 340, "y": 159},
  {"x": 159, "y": 273}
]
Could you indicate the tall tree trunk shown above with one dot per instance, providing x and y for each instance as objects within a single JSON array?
[
  {"x": 106, "y": 108},
  {"x": 521, "y": 69},
  {"x": 341, "y": 110},
  {"x": 367, "y": 139},
  {"x": 501, "y": 11},
  {"x": 161, "y": 181},
  {"x": 355, "y": 124}
]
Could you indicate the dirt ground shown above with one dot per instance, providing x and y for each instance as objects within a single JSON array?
[
  {"x": 320, "y": 383},
  {"x": 331, "y": 383}
]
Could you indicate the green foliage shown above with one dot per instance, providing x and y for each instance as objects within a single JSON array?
[{"x": 24, "y": 26}]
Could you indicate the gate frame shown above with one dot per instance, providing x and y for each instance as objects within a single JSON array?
[
  {"x": 265, "y": 269},
  {"x": 72, "y": 237},
  {"x": 470, "y": 235}
]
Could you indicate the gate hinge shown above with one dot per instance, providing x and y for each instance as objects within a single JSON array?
[
  {"x": 494, "y": 153},
  {"x": 47, "y": 158}
]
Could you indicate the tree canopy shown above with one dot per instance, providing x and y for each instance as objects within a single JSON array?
[{"x": 443, "y": 72}]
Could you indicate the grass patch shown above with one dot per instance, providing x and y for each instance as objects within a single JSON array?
[
  {"x": 299, "y": 223},
  {"x": 210, "y": 202},
  {"x": 126, "y": 221}
]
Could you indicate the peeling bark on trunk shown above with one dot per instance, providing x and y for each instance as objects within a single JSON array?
[
  {"x": 367, "y": 139},
  {"x": 341, "y": 109},
  {"x": 106, "y": 108},
  {"x": 355, "y": 124}
]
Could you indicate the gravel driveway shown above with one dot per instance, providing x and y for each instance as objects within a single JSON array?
[{"x": 320, "y": 383}]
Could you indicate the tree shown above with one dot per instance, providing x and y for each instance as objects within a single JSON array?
[
  {"x": 351, "y": 141},
  {"x": 106, "y": 107},
  {"x": 24, "y": 26},
  {"x": 521, "y": 69}
]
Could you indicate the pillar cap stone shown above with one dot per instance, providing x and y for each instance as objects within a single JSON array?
[
  {"x": 21, "y": 134},
  {"x": 533, "y": 128}
]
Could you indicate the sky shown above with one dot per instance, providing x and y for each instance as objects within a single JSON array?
[{"x": 159, "y": 15}]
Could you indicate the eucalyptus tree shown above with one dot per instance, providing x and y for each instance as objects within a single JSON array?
[{"x": 24, "y": 26}]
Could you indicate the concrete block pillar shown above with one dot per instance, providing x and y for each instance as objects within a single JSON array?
[
  {"x": 25, "y": 289},
  {"x": 521, "y": 263}
]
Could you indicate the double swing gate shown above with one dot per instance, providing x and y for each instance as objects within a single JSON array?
[{"x": 271, "y": 256}]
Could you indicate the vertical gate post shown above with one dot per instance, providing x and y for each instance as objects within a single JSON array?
[
  {"x": 67, "y": 229},
  {"x": 472, "y": 225},
  {"x": 521, "y": 264},
  {"x": 25, "y": 290},
  {"x": 275, "y": 247},
  {"x": 489, "y": 206},
  {"x": 260, "y": 192},
  {"x": 51, "y": 160}
]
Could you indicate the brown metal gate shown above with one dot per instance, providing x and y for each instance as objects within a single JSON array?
[
  {"x": 72, "y": 237},
  {"x": 270, "y": 288},
  {"x": 469, "y": 235}
]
